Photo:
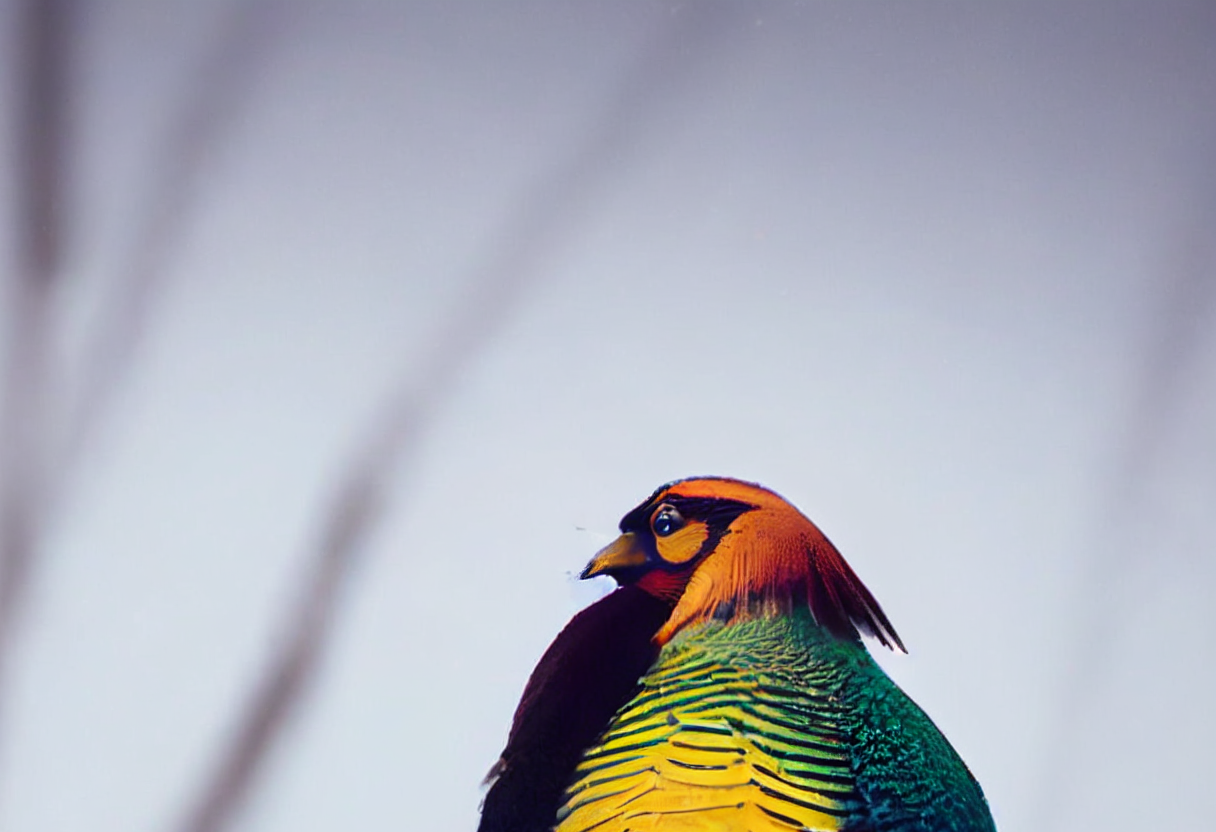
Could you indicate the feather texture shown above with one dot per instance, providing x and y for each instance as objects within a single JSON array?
[
  {"x": 589, "y": 670},
  {"x": 725, "y": 687},
  {"x": 770, "y": 724}
]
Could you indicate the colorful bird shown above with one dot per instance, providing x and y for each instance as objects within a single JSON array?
[{"x": 724, "y": 686}]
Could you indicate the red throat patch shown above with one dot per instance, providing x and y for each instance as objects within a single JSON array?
[{"x": 668, "y": 586}]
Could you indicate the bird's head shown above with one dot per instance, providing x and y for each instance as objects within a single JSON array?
[{"x": 726, "y": 549}]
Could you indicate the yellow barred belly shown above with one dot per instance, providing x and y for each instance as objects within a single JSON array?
[{"x": 714, "y": 747}]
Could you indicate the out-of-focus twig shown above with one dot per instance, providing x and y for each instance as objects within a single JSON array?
[
  {"x": 544, "y": 218},
  {"x": 34, "y": 463},
  {"x": 1161, "y": 387},
  {"x": 210, "y": 110},
  {"x": 41, "y": 139}
]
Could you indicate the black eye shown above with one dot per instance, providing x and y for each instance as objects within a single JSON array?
[{"x": 666, "y": 520}]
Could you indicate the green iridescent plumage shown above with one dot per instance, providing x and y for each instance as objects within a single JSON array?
[
  {"x": 758, "y": 709},
  {"x": 771, "y": 721}
]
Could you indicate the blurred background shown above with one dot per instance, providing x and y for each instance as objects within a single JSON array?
[{"x": 338, "y": 336}]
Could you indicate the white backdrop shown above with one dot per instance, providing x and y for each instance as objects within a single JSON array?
[{"x": 940, "y": 274}]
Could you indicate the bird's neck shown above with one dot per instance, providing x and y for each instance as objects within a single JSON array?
[{"x": 772, "y": 630}]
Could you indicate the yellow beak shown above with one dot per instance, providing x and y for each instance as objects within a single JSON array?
[{"x": 621, "y": 553}]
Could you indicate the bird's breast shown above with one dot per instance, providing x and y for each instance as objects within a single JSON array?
[{"x": 726, "y": 733}]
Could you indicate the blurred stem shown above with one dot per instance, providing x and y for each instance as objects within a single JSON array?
[
  {"x": 542, "y": 218},
  {"x": 1186, "y": 297},
  {"x": 210, "y": 110},
  {"x": 41, "y": 71}
]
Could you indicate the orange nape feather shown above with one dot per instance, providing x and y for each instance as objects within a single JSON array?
[{"x": 771, "y": 559}]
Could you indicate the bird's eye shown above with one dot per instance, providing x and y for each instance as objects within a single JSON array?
[{"x": 666, "y": 520}]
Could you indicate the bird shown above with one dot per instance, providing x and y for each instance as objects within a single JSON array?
[{"x": 724, "y": 685}]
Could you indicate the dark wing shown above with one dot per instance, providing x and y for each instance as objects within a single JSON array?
[{"x": 590, "y": 671}]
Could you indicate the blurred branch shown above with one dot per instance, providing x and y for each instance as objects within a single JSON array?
[
  {"x": 1188, "y": 304},
  {"x": 39, "y": 194},
  {"x": 33, "y": 467},
  {"x": 545, "y": 218},
  {"x": 209, "y": 112}
]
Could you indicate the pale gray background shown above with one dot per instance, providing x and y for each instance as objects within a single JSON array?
[{"x": 942, "y": 274}]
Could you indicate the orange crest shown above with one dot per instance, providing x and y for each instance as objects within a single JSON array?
[{"x": 770, "y": 559}]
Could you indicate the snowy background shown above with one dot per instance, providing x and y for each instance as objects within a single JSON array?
[{"x": 944, "y": 275}]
